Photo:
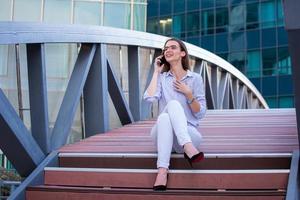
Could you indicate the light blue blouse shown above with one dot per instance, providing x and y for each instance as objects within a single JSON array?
[{"x": 165, "y": 92}]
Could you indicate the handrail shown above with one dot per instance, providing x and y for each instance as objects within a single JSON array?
[{"x": 30, "y": 32}]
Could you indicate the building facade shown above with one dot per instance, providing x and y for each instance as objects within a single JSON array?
[
  {"x": 249, "y": 34},
  {"x": 126, "y": 14}
]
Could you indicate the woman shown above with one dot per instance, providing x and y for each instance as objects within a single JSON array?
[{"x": 182, "y": 103}]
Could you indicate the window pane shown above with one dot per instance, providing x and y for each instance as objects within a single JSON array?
[
  {"x": 267, "y": 14},
  {"x": 57, "y": 11},
  {"x": 193, "y": 22},
  {"x": 165, "y": 25},
  {"x": 207, "y": 42},
  {"x": 284, "y": 61},
  {"x": 252, "y": 16},
  {"x": 221, "y": 42},
  {"x": 178, "y": 25},
  {"x": 222, "y": 17},
  {"x": 282, "y": 36},
  {"x": 237, "y": 18},
  {"x": 286, "y": 102},
  {"x": 253, "y": 40},
  {"x": 268, "y": 37},
  {"x": 280, "y": 17},
  {"x": 193, "y": 4},
  {"x": 87, "y": 13},
  {"x": 29, "y": 10},
  {"x": 253, "y": 64},
  {"x": 269, "y": 61},
  {"x": 152, "y": 8},
  {"x": 271, "y": 101},
  {"x": 152, "y": 25},
  {"x": 178, "y": 5},
  {"x": 237, "y": 60},
  {"x": 165, "y": 7},
  {"x": 207, "y": 19},
  {"x": 220, "y": 3},
  {"x": 121, "y": 16},
  {"x": 193, "y": 40},
  {"x": 59, "y": 59},
  {"x": 139, "y": 17},
  {"x": 207, "y": 3},
  {"x": 3, "y": 60},
  {"x": 237, "y": 41},
  {"x": 5, "y": 10}
]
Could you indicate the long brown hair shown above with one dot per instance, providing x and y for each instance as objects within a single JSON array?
[{"x": 184, "y": 61}]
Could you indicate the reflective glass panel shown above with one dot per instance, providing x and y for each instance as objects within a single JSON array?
[
  {"x": 282, "y": 36},
  {"x": 269, "y": 61},
  {"x": 237, "y": 18},
  {"x": 252, "y": 16},
  {"x": 29, "y": 10},
  {"x": 5, "y": 10},
  {"x": 237, "y": 60},
  {"x": 193, "y": 4},
  {"x": 207, "y": 42},
  {"x": 267, "y": 14},
  {"x": 193, "y": 21},
  {"x": 120, "y": 17},
  {"x": 139, "y": 17},
  {"x": 165, "y": 7},
  {"x": 178, "y": 5},
  {"x": 221, "y": 17},
  {"x": 237, "y": 41},
  {"x": 3, "y": 60},
  {"x": 221, "y": 42},
  {"x": 207, "y": 3},
  {"x": 152, "y": 8},
  {"x": 221, "y": 3},
  {"x": 253, "y": 64},
  {"x": 178, "y": 25},
  {"x": 271, "y": 101},
  {"x": 280, "y": 15},
  {"x": 152, "y": 25},
  {"x": 57, "y": 11},
  {"x": 253, "y": 39},
  {"x": 286, "y": 102},
  {"x": 87, "y": 13},
  {"x": 284, "y": 61},
  {"x": 165, "y": 25},
  {"x": 207, "y": 19},
  {"x": 268, "y": 37}
]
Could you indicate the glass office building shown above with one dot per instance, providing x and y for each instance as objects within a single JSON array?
[
  {"x": 60, "y": 58},
  {"x": 249, "y": 34}
]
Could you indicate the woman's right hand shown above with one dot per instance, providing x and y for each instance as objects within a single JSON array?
[{"x": 157, "y": 67}]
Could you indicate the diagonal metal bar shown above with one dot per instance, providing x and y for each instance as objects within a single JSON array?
[
  {"x": 71, "y": 99},
  {"x": 15, "y": 140},
  {"x": 38, "y": 95},
  {"x": 96, "y": 95},
  {"x": 134, "y": 82},
  {"x": 36, "y": 177},
  {"x": 118, "y": 97}
]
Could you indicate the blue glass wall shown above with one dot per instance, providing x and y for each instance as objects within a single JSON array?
[{"x": 249, "y": 34}]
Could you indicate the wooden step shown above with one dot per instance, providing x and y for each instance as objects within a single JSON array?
[
  {"x": 96, "y": 193},
  {"x": 178, "y": 179},
  {"x": 148, "y": 161}
]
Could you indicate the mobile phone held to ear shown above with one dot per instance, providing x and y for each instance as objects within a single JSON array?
[{"x": 163, "y": 61}]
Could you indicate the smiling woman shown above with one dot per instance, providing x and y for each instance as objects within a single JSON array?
[{"x": 182, "y": 104}]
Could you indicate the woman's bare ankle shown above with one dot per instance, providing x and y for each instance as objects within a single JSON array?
[{"x": 189, "y": 149}]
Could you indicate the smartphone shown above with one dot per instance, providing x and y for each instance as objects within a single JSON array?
[{"x": 163, "y": 61}]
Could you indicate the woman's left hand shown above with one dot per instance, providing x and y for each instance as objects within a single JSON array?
[{"x": 182, "y": 87}]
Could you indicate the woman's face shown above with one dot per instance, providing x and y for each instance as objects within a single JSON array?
[{"x": 172, "y": 51}]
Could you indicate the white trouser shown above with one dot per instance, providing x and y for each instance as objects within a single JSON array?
[{"x": 172, "y": 121}]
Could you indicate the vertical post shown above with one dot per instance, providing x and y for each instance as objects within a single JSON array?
[
  {"x": 134, "y": 82},
  {"x": 38, "y": 95},
  {"x": 96, "y": 95}
]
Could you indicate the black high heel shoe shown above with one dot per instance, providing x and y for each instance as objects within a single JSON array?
[
  {"x": 195, "y": 158},
  {"x": 161, "y": 187}
]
